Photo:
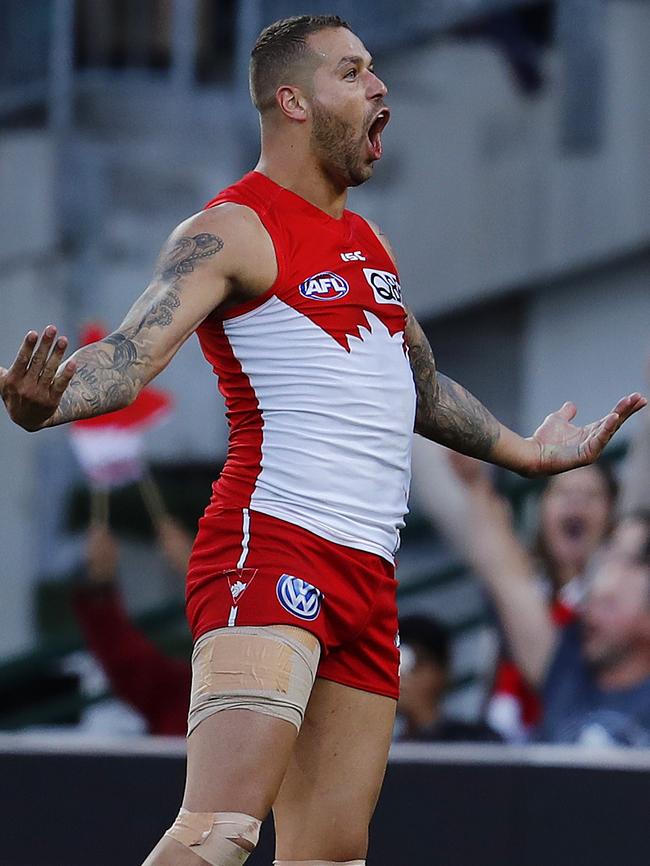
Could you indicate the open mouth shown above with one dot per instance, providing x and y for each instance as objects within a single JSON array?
[
  {"x": 574, "y": 527},
  {"x": 374, "y": 132}
]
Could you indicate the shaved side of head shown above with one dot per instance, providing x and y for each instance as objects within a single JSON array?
[{"x": 282, "y": 55}]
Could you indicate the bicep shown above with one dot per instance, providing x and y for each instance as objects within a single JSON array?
[{"x": 191, "y": 278}]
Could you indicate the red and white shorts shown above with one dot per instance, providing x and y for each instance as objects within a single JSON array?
[{"x": 248, "y": 568}]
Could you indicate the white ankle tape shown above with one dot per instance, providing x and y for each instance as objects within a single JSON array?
[
  {"x": 319, "y": 863},
  {"x": 219, "y": 838}
]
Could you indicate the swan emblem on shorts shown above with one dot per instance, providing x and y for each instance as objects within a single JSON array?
[{"x": 299, "y": 597}]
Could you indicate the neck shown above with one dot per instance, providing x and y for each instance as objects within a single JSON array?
[
  {"x": 624, "y": 672},
  {"x": 290, "y": 163}
]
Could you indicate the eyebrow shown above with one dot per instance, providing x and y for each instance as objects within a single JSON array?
[{"x": 353, "y": 58}]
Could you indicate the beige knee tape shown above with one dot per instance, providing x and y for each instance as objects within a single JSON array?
[
  {"x": 267, "y": 669},
  {"x": 220, "y": 838}
]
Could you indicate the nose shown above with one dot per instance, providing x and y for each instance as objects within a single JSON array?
[{"x": 377, "y": 88}]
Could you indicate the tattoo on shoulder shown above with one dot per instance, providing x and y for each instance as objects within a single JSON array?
[
  {"x": 110, "y": 372},
  {"x": 175, "y": 262},
  {"x": 182, "y": 256}
]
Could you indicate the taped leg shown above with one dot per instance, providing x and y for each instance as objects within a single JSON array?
[
  {"x": 220, "y": 839},
  {"x": 250, "y": 690}
]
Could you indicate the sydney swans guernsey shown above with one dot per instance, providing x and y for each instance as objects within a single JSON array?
[{"x": 319, "y": 392}]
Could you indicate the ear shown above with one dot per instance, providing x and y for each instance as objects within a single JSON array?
[{"x": 292, "y": 103}]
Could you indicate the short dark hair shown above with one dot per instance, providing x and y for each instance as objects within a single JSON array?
[
  {"x": 279, "y": 46},
  {"x": 428, "y": 634}
]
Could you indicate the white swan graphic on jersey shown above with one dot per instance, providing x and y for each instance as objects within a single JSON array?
[{"x": 350, "y": 415}]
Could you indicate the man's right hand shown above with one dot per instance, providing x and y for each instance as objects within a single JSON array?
[{"x": 33, "y": 386}]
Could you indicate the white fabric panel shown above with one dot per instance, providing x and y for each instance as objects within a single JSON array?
[{"x": 336, "y": 445}]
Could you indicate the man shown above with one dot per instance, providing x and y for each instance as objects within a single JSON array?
[
  {"x": 424, "y": 677},
  {"x": 154, "y": 684},
  {"x": 593, "y": 674},
  {"x": 291, "y": 590}
]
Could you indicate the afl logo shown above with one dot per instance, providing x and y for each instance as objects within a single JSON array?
[
  {"x": 325, "y": 286},
  {"x": 299, "y": 597}
]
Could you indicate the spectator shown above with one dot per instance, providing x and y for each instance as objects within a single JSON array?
[
  {"x": 156, "y": 686},
  {"x": 594, "y": 675},
  {"x": 575, "y": 517},
  {"x": 424, "y": 677},
  {"x": 635, "y": 497}
]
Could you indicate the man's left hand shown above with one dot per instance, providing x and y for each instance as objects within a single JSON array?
[{"x": 561, "y": 445}]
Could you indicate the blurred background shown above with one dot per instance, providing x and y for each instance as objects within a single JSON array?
[{"x": 514, "y": 187}]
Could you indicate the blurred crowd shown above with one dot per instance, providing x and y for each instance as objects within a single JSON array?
[{"x": 571, "y": 607}]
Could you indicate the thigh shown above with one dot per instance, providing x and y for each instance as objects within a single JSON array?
[
  {"x": 236, "y": 760},
  {"x": 334, "y": 775}
]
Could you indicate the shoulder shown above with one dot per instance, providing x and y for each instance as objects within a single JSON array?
[
  {"x": 383, "y": 239},
  {"x": 233, "y": 230},
  {"x": 236, "y": 223}
]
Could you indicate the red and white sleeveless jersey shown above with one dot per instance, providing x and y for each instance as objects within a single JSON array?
[{"x": 319, "y": 393}]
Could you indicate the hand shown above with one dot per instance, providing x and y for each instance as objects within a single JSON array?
[
  {"x": 102, "y": 555},
  {"x": 560, "y": 445},
  {"x": 176, "y": 543},
  {"x": 33, "y": 386}
]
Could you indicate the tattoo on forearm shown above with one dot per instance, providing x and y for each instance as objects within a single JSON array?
[
  {"x": 111, "y": 372},
  {"x": 462, "y": 422},
  {"x": 446, "y": 412}
]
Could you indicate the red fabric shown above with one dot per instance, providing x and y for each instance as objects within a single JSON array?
[
  {"x": 155, "y": 685},
  {"x": 356, "y": 621},
  {"x": 510, "y": 681},
  {"x": 244, "y": 459},
  {"x": 297, "y": 229}
]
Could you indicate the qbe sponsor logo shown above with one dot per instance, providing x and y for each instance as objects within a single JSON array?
[
  {"x": 385, "y": 286},
  {"x": 326, "y": 286},
  {"x": 299, "y": 597}
]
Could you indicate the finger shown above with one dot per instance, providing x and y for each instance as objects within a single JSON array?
[
  {"x": 42, "y": 351},
  {"x": 62, "y": 379},
  {"x": 603, "y": 432},
  {"x": 53, "y": 362},
  {"x": 3, "y": 376},
  {"x": 627, "y": 406},
  {"x": 24, "y": 356},
  {"x": 567, "y": 411}
]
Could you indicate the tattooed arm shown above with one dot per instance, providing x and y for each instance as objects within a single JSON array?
[
  {"x": 214, "y": 257},
  {"x": 447, "y": 413}
]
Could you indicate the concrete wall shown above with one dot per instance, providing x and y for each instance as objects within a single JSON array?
[
  {"x": 587, "y": 340},
  {"x": 475, "y": 189},
  {"x": 30, "y": 298}
]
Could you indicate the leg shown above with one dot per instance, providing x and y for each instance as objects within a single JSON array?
[
  {"x": 235, "y": 763},
  {"x": 334, "y": 775},
  {"x": 238, "y": 756}
]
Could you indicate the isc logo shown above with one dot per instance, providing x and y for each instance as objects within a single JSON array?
[
  {"x": 385, "y": 286},
  {"x": 325, "y": 286}
]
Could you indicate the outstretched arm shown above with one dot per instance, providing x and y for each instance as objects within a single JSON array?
[
  {"x": 447, "y": 413},
  {"x": 196, "y": 271},
  {"x": 505, "y": 567}
]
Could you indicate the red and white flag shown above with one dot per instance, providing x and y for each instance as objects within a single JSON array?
[{"x": 110, "y": 447}]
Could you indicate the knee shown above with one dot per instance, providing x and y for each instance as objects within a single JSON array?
[{"x": 218, "y": 838}]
